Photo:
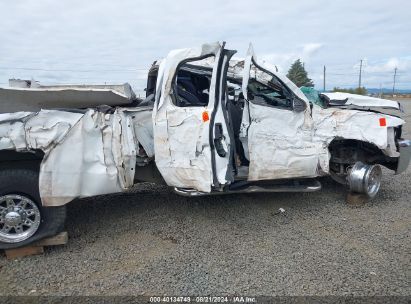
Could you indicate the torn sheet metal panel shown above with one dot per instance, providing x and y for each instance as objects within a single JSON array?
[
  {"x": 89, "y": 168},
  {"x": 169, "y": 64},
  {"x": 280, "y": 146},
  {"x": 86, "y": 154},
  {"x": 333, "y": 123},
  {"x": 182, "y": 152},
  {"x": 143, "y": 129},
  {"x": 181, "y": 137},
  {"x": 277, "y": 141},
  {"x": 64, "y": 96},
  {"x": 346, "y": 99},
  {"x": 282, "y": 143},
  {"x": 24, "y": 131}
]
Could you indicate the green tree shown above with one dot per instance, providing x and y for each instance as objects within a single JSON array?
[
  {"x": 359, "y": 91},
  {"x": 298, "y": 75}
]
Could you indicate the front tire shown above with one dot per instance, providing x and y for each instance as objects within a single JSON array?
[{"x": 23, "y": 219}]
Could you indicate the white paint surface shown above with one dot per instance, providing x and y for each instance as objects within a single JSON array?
[
  {"x": 282, "y": 143},
  {"x": 362, "y": 101},
  {"x": 181, "y": 137},
  {"x": 64, "y": 96},
  {"x": 86, "y": 154},
  {"x": 93, "y": 152}
]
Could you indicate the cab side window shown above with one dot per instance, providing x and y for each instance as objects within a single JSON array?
[
  {"x": 267, "y": 90},
  {"x": 192, "y": 83}
]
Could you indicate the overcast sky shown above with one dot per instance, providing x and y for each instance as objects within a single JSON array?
[{"x": 116, "y": 41}]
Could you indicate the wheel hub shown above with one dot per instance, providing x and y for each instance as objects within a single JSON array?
[
  {"x": 13, "y": 219},
  {"x": 19, "y": 218}
]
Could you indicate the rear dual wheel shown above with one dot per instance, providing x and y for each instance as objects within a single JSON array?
[{"x": 19, "y": 218}]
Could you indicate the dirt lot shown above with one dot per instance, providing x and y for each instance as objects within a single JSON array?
[{"x": 151, "y": 241}]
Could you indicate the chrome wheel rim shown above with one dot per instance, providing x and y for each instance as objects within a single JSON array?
[
  {"x": 373, "y": 180},
  {"x": 19, "y": 218},
  {"x": 365, "y": 179}
]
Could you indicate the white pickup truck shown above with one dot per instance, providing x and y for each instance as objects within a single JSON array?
[{"x": 210, "y": 125}]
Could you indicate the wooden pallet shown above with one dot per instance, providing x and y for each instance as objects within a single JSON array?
[
  {"x": 356, "y": 199},
  {"x": 37, "y": 247}
]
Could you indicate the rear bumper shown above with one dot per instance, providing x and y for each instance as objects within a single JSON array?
[{"x": 404, "y": 146}]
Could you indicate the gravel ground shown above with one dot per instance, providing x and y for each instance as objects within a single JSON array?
[{"x": 151, "y": 241}]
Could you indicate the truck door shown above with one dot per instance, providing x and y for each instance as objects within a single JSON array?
[
  {"x": 192, "y": 142},
  {"x": 277, "y": 126}
]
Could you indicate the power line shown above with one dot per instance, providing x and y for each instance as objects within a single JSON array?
[
  {"x": 343, "y": 74},
  {"x": 70, "y": 70}
]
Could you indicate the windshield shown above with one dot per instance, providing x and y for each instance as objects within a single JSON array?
[{"x": 313, "y": 96}]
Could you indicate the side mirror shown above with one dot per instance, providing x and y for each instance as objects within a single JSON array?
[{"x": 299, "y": 105}]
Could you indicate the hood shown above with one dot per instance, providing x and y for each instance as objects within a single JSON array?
[{"x": 339, "y": 99}]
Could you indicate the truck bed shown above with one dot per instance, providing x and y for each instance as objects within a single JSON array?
[{"x": 33, "y": 99}]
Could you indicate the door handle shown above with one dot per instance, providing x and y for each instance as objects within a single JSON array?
[{"x": 218, "y": 140}]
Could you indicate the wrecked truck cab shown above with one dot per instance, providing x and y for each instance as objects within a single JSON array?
[
  {"x": 210, "y": 124},
  {"x": 270, "y": 132},
  {"x": 287, "y": 135}
]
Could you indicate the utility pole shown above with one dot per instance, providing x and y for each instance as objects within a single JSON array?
[
  {"x": 324, "y": 80},
  {"x": 359, "y": 79},
  {"x": 393, "y": 86}
]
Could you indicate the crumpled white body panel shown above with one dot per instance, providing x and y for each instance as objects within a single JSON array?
[
  {"x": 181, "y": 138},
  {"x": 362, "y": 101},
  {"x": 281, "y": 146},
  {"x": 282, "y": 143},
  {"x": 278, "y": 142},
  {"x": 333, "y": 123},
  {"x": 86, "y": 154},
  {"x": 181, "y": 155}
]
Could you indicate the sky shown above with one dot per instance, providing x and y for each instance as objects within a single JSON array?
[{"x": 117, "y": 41}]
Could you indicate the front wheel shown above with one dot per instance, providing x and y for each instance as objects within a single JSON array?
[
  {"x": 365, "y": 179},
  {"x": 23, "y": 219}
]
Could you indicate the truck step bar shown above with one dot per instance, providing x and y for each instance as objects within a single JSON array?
[{"x": 308, "y": 185}]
